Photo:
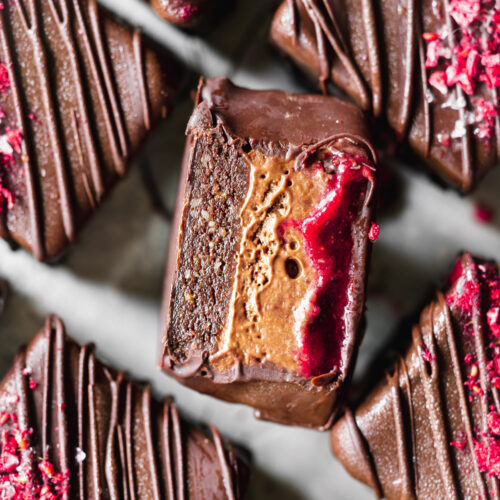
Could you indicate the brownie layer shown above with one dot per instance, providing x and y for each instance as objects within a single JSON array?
[
  {"x": 431, "y": 425},
  {"x": 245, "y": 290},
  {"x": 210, "y": 243}
]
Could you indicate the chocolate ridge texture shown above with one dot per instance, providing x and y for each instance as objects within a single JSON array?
[
  {"x": 81, "y": 91},
  {"x": 73, "y": 427},
  {"x": 429, "y": 425},
  {"x": 375, "y": 53},
  {"x": 222, "y": 335}
]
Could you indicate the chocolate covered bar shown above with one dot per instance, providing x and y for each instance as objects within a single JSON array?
[
  {"x": 431, "y": 428},
  {"x": 265, "y": 288},
  {"x": 79, "y": 93},
  {"x": 430, "y": 68},
  {"x": 72, "y": 427},
  {"x": 191, "y": 14}
]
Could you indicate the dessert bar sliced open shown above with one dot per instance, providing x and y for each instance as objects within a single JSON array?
[
  {"x": 72, "y": 427},
  {"x": 431, "y": 428},
  {"x": 265, "y": 287}
]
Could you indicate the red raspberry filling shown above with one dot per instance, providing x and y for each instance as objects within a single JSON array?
[{"x": 328, "y": 241}]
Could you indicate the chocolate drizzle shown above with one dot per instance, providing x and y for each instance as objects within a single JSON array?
[
  {"x": 74, "y": 71},
  {"x": 104, "y": 434},
  {"x": 436, "y": 420},
  {"x": 381, "y": 65},
  {"x": 33, "y": 210},
  {"x": 467, "y": 173}
]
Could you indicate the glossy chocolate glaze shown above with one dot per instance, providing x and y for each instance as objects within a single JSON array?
[
  {"x": 415, "y": 434},
  {"x": 278, "y": 121},
  {"x": 278, "y": 125},
  {"x": 84, "y": 93},
  {"x": 105, "y": 433},
  {"x": 374, "y": 52},
  {"x": 191, "y": 14}
]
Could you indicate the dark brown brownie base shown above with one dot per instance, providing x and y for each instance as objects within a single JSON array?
[{"x": 210, "y": 244}]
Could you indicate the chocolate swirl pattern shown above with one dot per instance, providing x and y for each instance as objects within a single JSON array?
[
  {"x": 75, "y": 428},
  {"x": 83, "y": 92},
  {"x": 376, "y": 54},
  {"x": 430, "y": 426}
]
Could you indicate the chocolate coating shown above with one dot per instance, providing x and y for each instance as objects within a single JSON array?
[
  {"x": 419, "y": 432},
  {"x": 84, "y": 91},
  {"x": 103, "y": 434},
  {"x": 191, "y": 14},
  {"x": 374, "y": 52},
  {"x": 229, "y": 126}
]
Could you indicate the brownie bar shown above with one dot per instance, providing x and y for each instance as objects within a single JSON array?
[
  {"x": 79, "y": 94},
  {"x": 408, "y": 63},
  {"x": 264, "y": 294},
  {"x": 73, "y": 427},
  {"x": 431, "y": 426},
  {"x": 191, "y": 14}
]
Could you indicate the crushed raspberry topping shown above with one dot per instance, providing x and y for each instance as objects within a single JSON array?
[
  {"x": 465, "y": 300},
  {"x": 465, "y": 12},
  {"x": 492, "y": 317},
  {"x": 187, "y": 12},
  {"x": 467, "y": 58},
  {"x": 459, "y": 444},
  {"x": 4, "y": 78},
  {"x": 426, "y": 354},
  {"x": 485, "y": 115},
  {"x": 487, "y": 451},
  {"x": 483, "y": 213},
  {"x": 481, "y": 296},
  {"x": 23, "y": 475},
  {"x": 494, "y": 422},
  {"x": 374, "y": 232}
]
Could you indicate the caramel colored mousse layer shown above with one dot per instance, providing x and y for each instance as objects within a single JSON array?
[{"x": 294, "y": 263}]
